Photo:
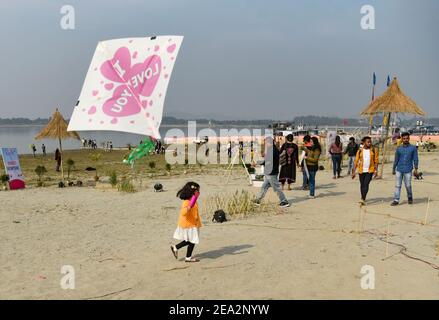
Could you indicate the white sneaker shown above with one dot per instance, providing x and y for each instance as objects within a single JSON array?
[{"x": 284, "y": 204}]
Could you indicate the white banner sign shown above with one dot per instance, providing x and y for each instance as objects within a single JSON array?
[
  {"x": 12, "y": 167},
  {"x": 125, "y": 87}
]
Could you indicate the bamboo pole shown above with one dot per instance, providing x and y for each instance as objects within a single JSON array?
[
  {"x": 426, "y": 212},
  {"x": 370, "y": 124},
  {"x": 387, "y": 236},
  {"x": 363, "y": 217},
  {"x": 383, "y": 160},
  {"x": 359, "y": 221}
]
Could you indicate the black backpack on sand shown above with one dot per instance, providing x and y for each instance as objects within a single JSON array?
[{"x": 219, "y": 216}]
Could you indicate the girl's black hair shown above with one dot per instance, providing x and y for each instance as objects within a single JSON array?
[
  {"x": 337, "y": 141},
  {"x": 188, "y": 190},
  {"x": 316, "y": 142},
  {"x": 290, "y": 138}
]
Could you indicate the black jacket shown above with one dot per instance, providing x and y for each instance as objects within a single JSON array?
[
  {"x": 271, "y": 161},
  {"x": 352, "y": 149}
]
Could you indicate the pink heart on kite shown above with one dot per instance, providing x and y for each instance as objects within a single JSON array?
[
  {"x": 171, "y": 48},
  {"x": 95, "y": 92},
  {"x": 143, "y": 77},
  {"x": 92, "y": 110},
  {"x": 109, "y": 86},
  {"x": 123, "y": 103},
  {"x": 116, "y": 68}
]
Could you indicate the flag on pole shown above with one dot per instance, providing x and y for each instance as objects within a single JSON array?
[
  {"x": 374, "y": 81},
  {"x": 388, "y": 80},
  {"x": 125, "y": 86}
]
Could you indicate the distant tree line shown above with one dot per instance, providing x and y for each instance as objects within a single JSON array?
[
  {"x": 23, "y": 121},
  {"x": 301, "y": 120}
]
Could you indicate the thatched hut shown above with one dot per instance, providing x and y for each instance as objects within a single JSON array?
[
  {"x": 393, "y": 100},
  {"x": 57, "y": 129}
]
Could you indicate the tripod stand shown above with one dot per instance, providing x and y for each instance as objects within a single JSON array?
[{"x": 237, "y": 156}]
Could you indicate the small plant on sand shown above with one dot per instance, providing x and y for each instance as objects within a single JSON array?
[
  {"x": 113, "y": 178},
  {"x": 168, "y": 168},
  {"x": 70, "y": 165},
  {"x": 151, "y": 165},
  {"x": 126, "y": 186},
  {"x": 4, "y": 178},
  {"x": 40, "y": 171},
  {"x": 95, "y": 157}
]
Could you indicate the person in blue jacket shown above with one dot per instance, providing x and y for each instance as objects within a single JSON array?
[{"x": 406, "y": 159}]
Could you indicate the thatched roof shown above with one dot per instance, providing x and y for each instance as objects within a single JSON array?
[
  {"x": 393, "y": 100},
  {"x": 57, "y": 129}
]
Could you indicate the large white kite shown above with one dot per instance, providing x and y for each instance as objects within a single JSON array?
[{"x": 125, "y": 86}]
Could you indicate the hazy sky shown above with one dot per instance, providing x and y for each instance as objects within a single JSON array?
[{"x": 239, "y": 59}]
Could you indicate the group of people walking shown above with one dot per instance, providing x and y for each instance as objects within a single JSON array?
[
  {"x": 288, "y": 159},
  {"x": 280, "y": 165},
  {"x": 363, "y": 159}
]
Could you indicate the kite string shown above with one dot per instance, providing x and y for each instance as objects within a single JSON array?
[
  {"x": 403, "y": 249},
  {"x": 402, "y": 219},
  {"x": 380, "y": 236}
]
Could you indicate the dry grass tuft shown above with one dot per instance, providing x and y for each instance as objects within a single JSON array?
[{"x": 237, "y": 204}]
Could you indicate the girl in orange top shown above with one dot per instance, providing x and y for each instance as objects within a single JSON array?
[{"x": 189, "y": 222}]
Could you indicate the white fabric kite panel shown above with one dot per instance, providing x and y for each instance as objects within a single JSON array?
[{"x": 125, "y": 86}]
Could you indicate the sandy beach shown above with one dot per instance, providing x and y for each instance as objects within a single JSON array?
[{"x": 119, "y": 243}]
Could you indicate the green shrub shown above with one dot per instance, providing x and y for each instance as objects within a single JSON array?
[
  {"x": 70, "y": 165},
  {"x": 4, "y": 178},
  {"x": 40, "y": 171},
  {"x": 95, "y": 157},
  {"x": 126, "y": 186},
  {"x": 113, "y": 178}
]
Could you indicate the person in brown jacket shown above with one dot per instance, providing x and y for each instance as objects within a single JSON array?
[{"x": 366, "y": 162}]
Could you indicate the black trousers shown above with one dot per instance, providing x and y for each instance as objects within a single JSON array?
[
  {"x": 336, "y": 163},
  {"x": 190, "y": 247},
  {"x": 365, "y": 179}
]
